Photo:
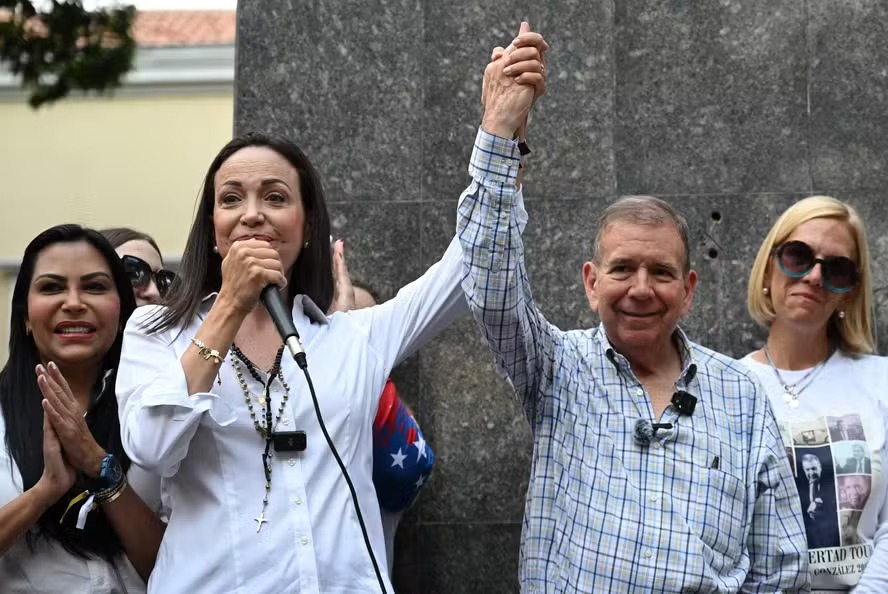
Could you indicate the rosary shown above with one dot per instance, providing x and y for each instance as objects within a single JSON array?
[{"x": 266, "y": 428}]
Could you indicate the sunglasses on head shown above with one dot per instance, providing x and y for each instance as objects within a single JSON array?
[
  {"x": 140, "y": 275},
  {"x": 797, "y": 258}
]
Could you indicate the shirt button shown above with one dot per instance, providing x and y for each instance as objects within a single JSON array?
[
  {"x": 297, "y": 501},
  {"x": 655, "y": 445},
  {"x": 639, "y": 392},
  {"x": 304, "y": 541},
  {"x": 285, "y": 420},
  {"x": 647, "y": 553},
  {"x": 292, "y": 461},
  {"x": 655, "y": 498}
]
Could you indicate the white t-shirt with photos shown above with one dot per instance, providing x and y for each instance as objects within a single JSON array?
[{"x": 835, "y": 440}]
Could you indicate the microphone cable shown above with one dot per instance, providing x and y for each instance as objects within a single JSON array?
[{"x": 303, "y": 364}]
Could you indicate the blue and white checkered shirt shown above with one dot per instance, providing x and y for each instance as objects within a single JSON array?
[{"x": 708, "y": 506}]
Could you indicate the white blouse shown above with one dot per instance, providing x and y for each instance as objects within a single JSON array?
[
  {"x": 210, "y": 455},
  {"x": 49, "y": 568}
]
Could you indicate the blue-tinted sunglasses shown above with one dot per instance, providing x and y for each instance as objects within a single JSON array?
[{"x": 796, "y": 259}]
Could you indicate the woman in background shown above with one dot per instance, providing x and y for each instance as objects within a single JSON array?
[
  {"x": 143, "y": 263},
  {"x": 811, "y": 287}
]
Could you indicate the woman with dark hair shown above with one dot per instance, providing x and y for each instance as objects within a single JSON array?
[
  {"x": 209, "y": 401},
  {"x": 72, "y": 516},
  {"x": 143, "y": 263}
]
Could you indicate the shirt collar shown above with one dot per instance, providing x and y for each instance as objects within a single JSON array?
[
  {"x": 685, "y": 353},
  {"x": 302, "y": 304}
]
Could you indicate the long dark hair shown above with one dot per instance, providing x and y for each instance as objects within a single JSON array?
[
  {"x": 200, "y": 271},
  {"x": 20, "y": 399}
]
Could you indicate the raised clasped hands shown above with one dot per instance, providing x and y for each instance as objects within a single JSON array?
[
  {"x": 513, "y": 80},
  {"x": 67, "y": 426},
  {"x": 58, "y": 475}
]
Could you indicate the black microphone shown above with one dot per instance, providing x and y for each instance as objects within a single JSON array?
[
  {"x": 612, "y": 357},
  {"x": 684, "y": 403},
  {"x": 283, "y": 321},
  {"x": 645, "y": 431}
]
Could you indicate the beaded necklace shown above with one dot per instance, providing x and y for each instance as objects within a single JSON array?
[{"x": 266, "y": 427}]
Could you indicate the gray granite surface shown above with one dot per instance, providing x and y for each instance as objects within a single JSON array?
[{"x": 730, "y": 110}]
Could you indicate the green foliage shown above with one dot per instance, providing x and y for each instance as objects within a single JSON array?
[{"x": 57, "y": 47}]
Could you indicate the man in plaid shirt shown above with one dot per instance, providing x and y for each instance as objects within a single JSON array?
[{"x": 658, "y": 465}]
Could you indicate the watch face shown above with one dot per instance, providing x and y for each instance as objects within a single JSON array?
[{"x": 112, "y": 473}]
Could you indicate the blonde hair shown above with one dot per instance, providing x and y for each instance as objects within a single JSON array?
[{"x": 852, "y": 334}]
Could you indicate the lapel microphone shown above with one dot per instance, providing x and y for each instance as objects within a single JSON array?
[
  {"x": 684, "y": 403},
  {"x": 645, "y": 431}
]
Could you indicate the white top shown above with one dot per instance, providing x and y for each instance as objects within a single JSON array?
[
  {"x": 210, "y": 455},
  {"x": 838, "y": 431},
  {"x": 50, "y": 569},
  {"x": 390, "y": 521}
]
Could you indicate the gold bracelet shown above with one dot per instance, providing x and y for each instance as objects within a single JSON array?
[
  {"x": 107, "y": 496},
  {"x": 206, "y": 352}
]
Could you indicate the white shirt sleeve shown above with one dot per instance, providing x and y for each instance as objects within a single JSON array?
[
  {"x": 419, "y": 312},
  {"x": 422, "y": 309},
  {"x": 157, "y": 416}
]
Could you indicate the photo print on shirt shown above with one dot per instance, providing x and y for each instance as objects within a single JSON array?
[
  {"x": 849, "y": 521},
  {"x": 832, "y": 464},
  {"x": 854, "y": 490},
  {"x": 846, "y": 428},
  {"x": 852, "y": 457},
  {"x": 810, "y": 433},
  {"x": 815, "y": 481}
]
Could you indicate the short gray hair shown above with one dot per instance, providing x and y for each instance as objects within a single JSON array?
[{"x": 642, "y": 210}]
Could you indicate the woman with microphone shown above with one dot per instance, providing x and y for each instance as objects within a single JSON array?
[{"x": 267, "y": 470}]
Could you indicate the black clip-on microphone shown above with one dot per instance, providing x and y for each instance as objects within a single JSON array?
[
  {"x": 684, "y": 402},
  {"x": 283, "y": 321}
]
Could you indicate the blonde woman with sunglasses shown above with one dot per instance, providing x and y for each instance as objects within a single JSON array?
[{"x": 811, "y": 287}]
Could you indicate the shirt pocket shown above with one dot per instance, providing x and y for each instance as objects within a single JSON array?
[{"x": 718, "y": 509}]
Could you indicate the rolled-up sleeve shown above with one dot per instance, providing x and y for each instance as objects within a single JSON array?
[{"x": 158, "y": 418}]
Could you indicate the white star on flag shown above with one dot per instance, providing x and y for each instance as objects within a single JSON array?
[
  {"x": 420, "y": 482},
  {"x": 420, "y": 446},
  {"x": 398, "y": 459}
]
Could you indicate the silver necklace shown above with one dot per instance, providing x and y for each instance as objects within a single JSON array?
[{"x": 791, "y": 392}]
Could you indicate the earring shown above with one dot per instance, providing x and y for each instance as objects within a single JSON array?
[
  {"x": 215, "y": 249},
  {"x": 841, "y": 314},
  {"x": 766, "y": 291},
  {"x": 27, "y": 331},
  {"x": 305, "y": 245}
]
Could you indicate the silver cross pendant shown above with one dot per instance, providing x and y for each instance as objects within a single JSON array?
[{"x": 260, "y": 519}]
